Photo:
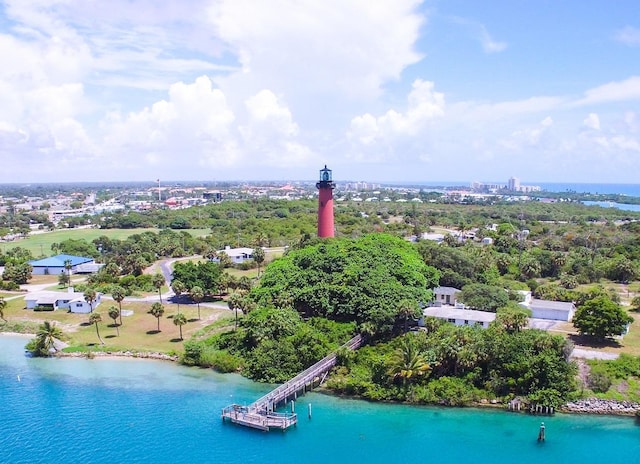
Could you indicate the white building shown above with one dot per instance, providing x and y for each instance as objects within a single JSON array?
[
  {"x": 459, "y": 316},
  {"x": 549, "y": 310},
  {"x": 71, "y": 301},
  {"x": 237, "y": 255}
]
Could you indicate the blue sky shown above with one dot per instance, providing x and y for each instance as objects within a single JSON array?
[{"x": 398, "y": 90}]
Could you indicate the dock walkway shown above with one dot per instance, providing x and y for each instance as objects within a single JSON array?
[{"x": 261, "y": 413}]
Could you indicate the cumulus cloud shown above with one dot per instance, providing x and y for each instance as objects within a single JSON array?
[
  {"x": 270, "y": 133},
  {"x": 350, "y": 48},
  {"x": 193, "y": 126},
  {"x": 423, "y": 105}
]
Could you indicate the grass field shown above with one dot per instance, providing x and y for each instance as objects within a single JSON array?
[
  {"x": 138, "y": 332},
  {"x": 40, "y": 244}
]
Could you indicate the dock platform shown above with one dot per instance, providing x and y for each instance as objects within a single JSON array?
[{"x": 262, "y": 415}]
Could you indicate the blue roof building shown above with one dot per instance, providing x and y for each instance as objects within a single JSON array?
[{"x": 56, "y": 265}]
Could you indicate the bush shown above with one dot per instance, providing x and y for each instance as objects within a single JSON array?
[
  {"x": 599, "y": 382},
  {"x": 450, "y": 391},
  {"x": 43, "y": 308}
]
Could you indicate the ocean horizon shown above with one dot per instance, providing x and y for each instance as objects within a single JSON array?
[{"x": 129, "y": 410}]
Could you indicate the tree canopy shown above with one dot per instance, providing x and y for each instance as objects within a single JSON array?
[
  {"x": 600, "y": 317},
  {"x": 359, "y": 280}
]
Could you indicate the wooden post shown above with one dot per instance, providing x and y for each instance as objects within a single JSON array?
[
  {"x": 309, "y": 410},
  {"x": 293, "y": 407}
]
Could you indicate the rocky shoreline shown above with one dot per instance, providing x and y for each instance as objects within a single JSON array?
[{"x": 598, "y": 406}]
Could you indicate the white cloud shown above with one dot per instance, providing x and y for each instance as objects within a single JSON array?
[
  {"x": 592, "y": 121},
  {"x": 270, "y": 134},
  {"x": 423, "y": 105},
  {"x": 628, "y": 36},
  {"x": 628, "y": 89},
  {"x": 334, "y": 46},
  {"x": 528, "y": 137},
  {"x": 192, "y": 128}
]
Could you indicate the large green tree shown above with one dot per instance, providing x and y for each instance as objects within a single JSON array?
[
  {"x": 3, "y": 304},
  {"x": 206, "y": 275},
  {"x": 600, "y": 317},
  {"x": 484, "y": 297},
  {"x": 359, "y": 280}
]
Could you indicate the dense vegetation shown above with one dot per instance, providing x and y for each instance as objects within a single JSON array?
[
  {"x": 458, "y": 365},
  {"x": 346, "y": 280},
  {"x": 322, "y": 291}
]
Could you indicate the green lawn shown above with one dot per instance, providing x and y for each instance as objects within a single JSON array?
[
  {"x": 40, "y": 244},
  {"x": 138, "y": 332}
]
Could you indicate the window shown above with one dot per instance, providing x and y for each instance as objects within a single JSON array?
[{"x": 451, "y": 320}]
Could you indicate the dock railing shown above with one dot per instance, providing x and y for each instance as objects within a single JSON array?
[{"x": 261, "y": 413}]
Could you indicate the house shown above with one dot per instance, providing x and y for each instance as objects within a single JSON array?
[
  {"x": 445, "y": 296},
  {"x": 71, "y": 301},
  {"x": 237, "y": 255},
  {"x": 56, "y": 265},
  {"x": 460, "y": 316},
  {"x": 549, "y": 310}
]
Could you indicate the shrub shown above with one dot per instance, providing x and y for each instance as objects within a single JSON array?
[{"x": 599, "y": 382}]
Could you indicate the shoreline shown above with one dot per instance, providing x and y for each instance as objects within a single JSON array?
[{"x": 590, "y": 406}]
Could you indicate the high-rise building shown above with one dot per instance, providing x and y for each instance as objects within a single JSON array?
[{"x": 513, "y": 184}]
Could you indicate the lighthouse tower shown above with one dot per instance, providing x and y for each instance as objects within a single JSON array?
[{"x": 325, "y": 203}]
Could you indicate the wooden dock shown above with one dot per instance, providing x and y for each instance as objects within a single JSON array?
[{"x": 262, "y": 415}]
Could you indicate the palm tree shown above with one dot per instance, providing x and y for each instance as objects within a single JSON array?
[
  {"x": 180, "y": 320},
  {"x": 178, "y": 288},
  {"x": 90, "y": 297},
  {"x": 158, "y": 281},
  {"x": 407, "y": 308},
  {"x": 94, "y": 318},
  {"x": 258, "y": 257},
  {"x": 197, "y": 295},
  {"x": 157, "y": 310},
  {"x": 3, "y": 304},
  {"x": 407, "y": 362},
  {"x": 113, "y": 314},
  {"x": 46, "y": 337},
  {"x": 68, "y": 267},
  {"x": 118, "y": 293},
  {"x": 245, "y": 283},
  {"x": 235, "y": 303}
]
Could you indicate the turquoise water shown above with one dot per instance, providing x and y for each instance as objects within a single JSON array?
[
  {"x": 129, "y": 411},
  {"x": 611, "y": 204}
]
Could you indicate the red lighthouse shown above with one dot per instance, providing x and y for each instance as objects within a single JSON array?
[{"x": 325, "y": 203}]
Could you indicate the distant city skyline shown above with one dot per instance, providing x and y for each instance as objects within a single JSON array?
[{"x": 390, "y": 91}]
